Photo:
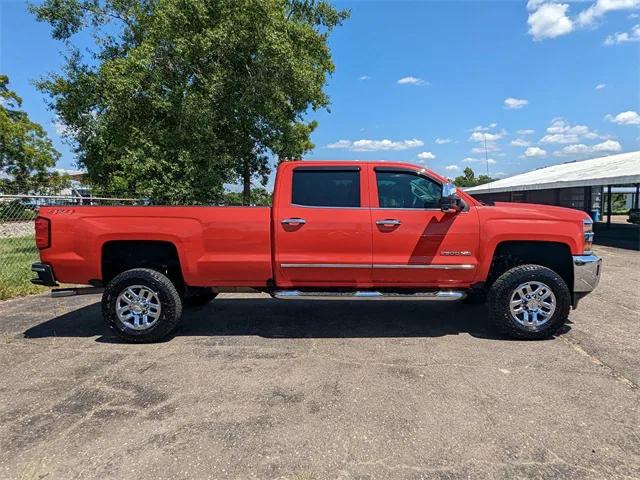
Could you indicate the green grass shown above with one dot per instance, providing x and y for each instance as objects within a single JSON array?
[{"x": 16, "y": 256}]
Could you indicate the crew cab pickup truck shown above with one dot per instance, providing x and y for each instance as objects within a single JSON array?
[{"x": 337, "y": 230}]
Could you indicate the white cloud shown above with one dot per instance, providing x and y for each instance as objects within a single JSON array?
[
  {"x": 580, "y": 149},
  {"x": 548, "y": 20},
  {"x": 562, "y": 132},
  {"x": 482, "y": 128},
  {"x": 589, "y": 16},
  {"x": 560, "y": 138},
  {"x": 625, "y": 118},
  {"x": 526, "y": 131},
  {"x": 426, "y": 156},
  {"x": 519, "y": 142},
  {"x": 600, "y": 86},
  {"x": 366, "y": 145},
  {"x": 535, "y": 152},
  {"x": 624, "y": 37},
  {"x": 489, "y": 137},
  {"x": 491, "y": 147},
  {"x": 608, "y": 146},
  {"x": 453, "y": 168},
  {"x": 490, "y": 161},
  {"x": 515, "y": 103},
  {"x": 364, "y": 77},
  {"x": 341, "y": 144},
  {"x": 442, "y": 141},
  {"x": 412, "y": 81}
]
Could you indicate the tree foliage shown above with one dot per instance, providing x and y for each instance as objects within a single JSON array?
[
  {"x": 469, "y": 179},
  {"x": 180, "y": 96},
  {"x": 259, "y": 197},
  {"x": 26, "y": 153}
]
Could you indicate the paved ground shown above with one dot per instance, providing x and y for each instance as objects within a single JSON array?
[{"x": 256, "y": 388}]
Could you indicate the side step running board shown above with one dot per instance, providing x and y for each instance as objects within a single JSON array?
[
  {"x": 70, "y": 292},
  {"x": 441, "y": 295}
]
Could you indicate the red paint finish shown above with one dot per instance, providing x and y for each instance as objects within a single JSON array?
[{"x": 334, "y": 247}]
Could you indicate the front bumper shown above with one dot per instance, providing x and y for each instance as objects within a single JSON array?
[
  {"x": 45, "y": 275},
  {"x": 586, "y": 274}
]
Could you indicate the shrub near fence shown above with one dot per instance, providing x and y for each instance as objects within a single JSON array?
[{"x": 17, "y": 242}]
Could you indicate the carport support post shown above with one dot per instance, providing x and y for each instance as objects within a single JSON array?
[{"x": 608, "y": 206}]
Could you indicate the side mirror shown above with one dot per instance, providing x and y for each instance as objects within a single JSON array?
[{"x": 450, "y": 202}]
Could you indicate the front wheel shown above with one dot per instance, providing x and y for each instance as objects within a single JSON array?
[
  {"x": 530, "y": 302},
  {"x": 141, "y": 305}
]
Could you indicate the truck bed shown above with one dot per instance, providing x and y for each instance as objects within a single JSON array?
[{"x": 215, "y": 245}]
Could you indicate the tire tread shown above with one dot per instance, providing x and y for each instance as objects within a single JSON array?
[
  {"x": 500, "y": 295},
  {"x": 171, "y": 306}
]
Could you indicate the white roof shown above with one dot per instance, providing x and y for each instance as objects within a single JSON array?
[{"x": 612, "y": 170}]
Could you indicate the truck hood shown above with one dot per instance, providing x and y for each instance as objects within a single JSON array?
[{"x": 538, "y": 211}]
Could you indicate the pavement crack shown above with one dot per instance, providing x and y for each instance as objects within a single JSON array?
[{"x": 594, "y": 359}]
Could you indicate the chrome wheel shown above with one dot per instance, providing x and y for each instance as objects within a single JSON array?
[
  {"x": 532, "y": 305},
  {"x": 138, "y": 307}
]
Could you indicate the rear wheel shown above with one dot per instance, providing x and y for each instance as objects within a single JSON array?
[
  {"x": 141, "y": 305},
  {"x": 530, "y": 302}
]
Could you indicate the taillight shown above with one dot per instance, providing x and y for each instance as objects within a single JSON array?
[
  {"x": 587, "y": 232},
  {"x": 43, "y": 232}
]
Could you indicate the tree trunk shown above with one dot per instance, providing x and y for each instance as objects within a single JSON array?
[{"x": 246, "y": 184}]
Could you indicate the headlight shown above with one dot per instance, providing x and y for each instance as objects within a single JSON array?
[{"x": 587, "y": 241}]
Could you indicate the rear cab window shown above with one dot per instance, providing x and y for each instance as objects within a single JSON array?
[{"x": 326, "y": 187}]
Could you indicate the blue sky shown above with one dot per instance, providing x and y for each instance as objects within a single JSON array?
[{"x": 426, "y": 82}]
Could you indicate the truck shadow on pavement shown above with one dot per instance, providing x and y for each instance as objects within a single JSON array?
[{"x": 298, "y": 319}]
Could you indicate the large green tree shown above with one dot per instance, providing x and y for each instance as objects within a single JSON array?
[
  {"x": 469, "y": 179},
  {"x": 26, "y": 153},
  {"x": 180, "y": 96}
]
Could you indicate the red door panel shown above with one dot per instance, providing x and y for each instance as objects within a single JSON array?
[
  {"x": 319, "y": 245},
  {"x": 415, "y": 246}
]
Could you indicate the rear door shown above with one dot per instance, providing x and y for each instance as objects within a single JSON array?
[
  {"x": 414, "y": 242},
  {"x": 322, "y": 227}
]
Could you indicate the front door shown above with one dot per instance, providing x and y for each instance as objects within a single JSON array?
[
  {"x": 414, "y": 242},
  {"x": 323, "y": 229}
]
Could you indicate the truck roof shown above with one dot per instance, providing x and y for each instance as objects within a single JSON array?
[{"x": 390, "y": 163}]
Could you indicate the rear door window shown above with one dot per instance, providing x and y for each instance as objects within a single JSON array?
[{"x": 326, "y": 187}]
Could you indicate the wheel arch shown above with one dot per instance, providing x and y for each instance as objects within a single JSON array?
[
  {"x": 118, "y": 256},
  {"x": 511, "y": 253}
]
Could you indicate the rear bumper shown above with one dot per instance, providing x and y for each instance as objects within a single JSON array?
[
  {"x": 45, "y": 275},
  {"x": 586, "y": 275}
]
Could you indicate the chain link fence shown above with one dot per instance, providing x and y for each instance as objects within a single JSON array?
[{"x": 17, "y": 237}]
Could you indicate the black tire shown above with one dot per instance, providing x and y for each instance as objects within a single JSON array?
[
  {"x": 170, "y": 302},
  {"x": 199, "y": 298},
  {"x": 504, "y": 287}
]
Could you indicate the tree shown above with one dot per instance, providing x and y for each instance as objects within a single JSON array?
[
  {"x": 179, "y": 97},
  {"x": 26, "y": 153},
  {"x": 469, "y": 179},
  {"x": 259, "y": 197}
]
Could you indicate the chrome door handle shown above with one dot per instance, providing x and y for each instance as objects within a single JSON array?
[
  {"x": 388, "y": 222},
  {"x": 293, "y": 221}
]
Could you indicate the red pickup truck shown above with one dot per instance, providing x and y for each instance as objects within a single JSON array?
[{"x": 337, "y": 230}]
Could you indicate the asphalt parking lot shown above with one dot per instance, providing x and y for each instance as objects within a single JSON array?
[{"x": 257, "y": 388}]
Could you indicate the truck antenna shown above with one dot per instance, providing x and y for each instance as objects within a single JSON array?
[{"x": 486, "y": 159}]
